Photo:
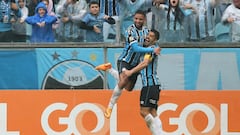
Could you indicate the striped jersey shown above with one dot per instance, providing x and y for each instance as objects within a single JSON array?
[
  {"x": 149, "y": 74},
  {"x": 132, "y": 35},
  {"x": 109, "y": 7}
]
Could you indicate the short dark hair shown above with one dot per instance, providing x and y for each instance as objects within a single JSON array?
[
  {"x": 156, "y": 33},
  {"x": 141, "y": 12},
  {"x": 93, "y": 2}
]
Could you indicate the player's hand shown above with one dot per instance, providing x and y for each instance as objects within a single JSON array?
[
  {"x": 127, "y": 72},
  {"x": 157, "y": 50}
]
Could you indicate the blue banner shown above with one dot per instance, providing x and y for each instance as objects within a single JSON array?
[
  {"x": 74, "y": 68},
  {"x": 69, "y": 68},
  {"x": 18, "y": 69}
]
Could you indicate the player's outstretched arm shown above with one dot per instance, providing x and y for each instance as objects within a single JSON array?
[{"x": 140, "y": 66}]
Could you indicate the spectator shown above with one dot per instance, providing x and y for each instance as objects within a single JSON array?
[
  {"x": 49, "y": 5},
  {"x": 201, "y": 22},
  {"x": 157, "y": 18},
  {"x": 71, "y": 13},
  {"x": 55, "y": 2},
  {"x": 220, "y": 8},
  {"x": 232, "y": 16},
  {"x": 31, "y": 5},
  {"x": 19, "y": 27},
  {"x": 50, "y": 10},
  {"x": 110, "y": 8},
  {"x": 41, "y": 25},
  {"x": 173, "y": 30},
  {"x": 93, "y": 23},
  {"x": 7, "y": 9}
]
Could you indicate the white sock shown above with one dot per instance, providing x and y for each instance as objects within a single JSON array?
[
  {"x": 158, "y": 124},
  {"x": 150, "y": 123},
  {"x": 114, "y": 73},
  {"x": 115, "y": 95}
]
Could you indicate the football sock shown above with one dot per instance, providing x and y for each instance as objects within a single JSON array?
[
  {"x": 158, "y": 124},
  {"x": 114, "y": 73},
  {"x": 150, "y": 123},
  {"x": 115, "y": 95}
]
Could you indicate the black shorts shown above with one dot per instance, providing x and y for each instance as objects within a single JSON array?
[
  {"x": 150, "y": 96},
  {"x": 123, "y": 64}
]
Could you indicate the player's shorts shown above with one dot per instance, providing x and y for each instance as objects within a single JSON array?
[
  {"x": 150, "y": 96},
  {"x": 123, "y": 64}
]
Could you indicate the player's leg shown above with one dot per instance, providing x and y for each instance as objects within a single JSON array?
[
  {"x": 149, "y": 119},
  {"x": 113, "y": 100},
  {"x": 108, "y": 67},
  {"x": 116, "y": 94},
  {"x": 155, "y": 92},
  {"x": 157, "y": 122},
  {"x": 114, "y": 73},
  {"x": 131, "y": 82},
  {"x": 145, "y": 109},
  {"x": 148, "y": 102},
  {"x": 104, "y": 66},
  {"x": 117, "y": 90}
]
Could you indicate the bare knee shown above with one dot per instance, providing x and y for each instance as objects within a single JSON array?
[
  {"x": 129, "y": 90},
  {"x": 144, "y": 111}
]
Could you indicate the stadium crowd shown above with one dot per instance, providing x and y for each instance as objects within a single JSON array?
[{"x": 106, "y": 20}]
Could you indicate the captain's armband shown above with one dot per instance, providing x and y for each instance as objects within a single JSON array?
[{"x": 148, "y": 57}]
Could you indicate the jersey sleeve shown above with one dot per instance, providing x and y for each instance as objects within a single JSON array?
[{"x": 140, "y": 49}]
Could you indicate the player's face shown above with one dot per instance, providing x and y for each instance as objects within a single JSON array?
[
  {"x": 150, "y": 39},
  {"x": 236, "y": 3},
  {"x": 139, "y": 20},
  {"x": 94, "y": 9}
]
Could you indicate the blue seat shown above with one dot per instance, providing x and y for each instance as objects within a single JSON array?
[{"x": 222, "y": 33}]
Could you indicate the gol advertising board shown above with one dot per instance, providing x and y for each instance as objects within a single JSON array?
[{"x": 80, "y": 112}]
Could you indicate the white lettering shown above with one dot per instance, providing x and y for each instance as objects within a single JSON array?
[
  {"x": 79, "y": 110},
  {"x": 45, "y": 115},
  {"x": 3, "y": 121},
  {"x": 224, "y": 121},
  {"x": 113, "y": 123},
  {"x": 187, "y": 114}
]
